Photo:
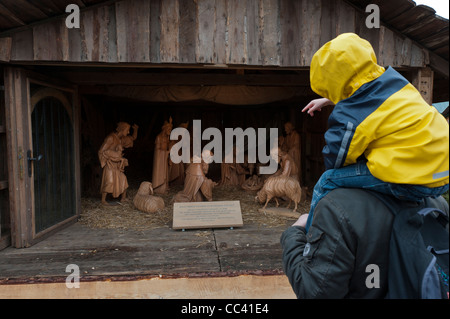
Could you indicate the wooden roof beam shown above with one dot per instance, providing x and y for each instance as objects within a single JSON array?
[
  {"x": 198, "y": 79},
  {"x": 439, "y": 64},
  {"x": 4, "y": 11}
]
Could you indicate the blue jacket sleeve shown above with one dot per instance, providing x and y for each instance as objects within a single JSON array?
[{"x": 337, "y": 139}]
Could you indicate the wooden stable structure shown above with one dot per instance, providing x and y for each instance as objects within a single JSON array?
[{"x": 63, "y": 90}]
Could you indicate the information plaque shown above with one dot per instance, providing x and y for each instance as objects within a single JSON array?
[{"x": 220, "y": 214}]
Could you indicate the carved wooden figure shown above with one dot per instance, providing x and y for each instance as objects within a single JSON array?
[
  {"x": 233, "y": 173},
  {"x": 253, "y": 183},
  {"x": 176, "y": 171},
  {"x": 291, "y": 145},
  {"x": 145, "y": 201},
  {"x": 113, "y": 163},
  {"x": 197, "y": 186},
  {"x": 287, "y": 164},
  {"x": 280, "y": 186},
  {"x": 160, "y": 178}
]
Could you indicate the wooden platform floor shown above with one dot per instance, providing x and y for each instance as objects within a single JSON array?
[{"x": 103, "y": 254}]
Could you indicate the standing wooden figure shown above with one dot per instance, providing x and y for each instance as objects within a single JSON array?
[
  {"x": 292, "y": 145},
  {"x": 233, "y": 174},
  {"x": 113, "y": 163},
  {"x": 160, "y": 178},
  {"x": 177, "y": 171},
  {"x": 288, "y": 167}
]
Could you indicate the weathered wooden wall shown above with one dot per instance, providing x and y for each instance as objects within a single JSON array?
[{"x": 282, "y": 33}]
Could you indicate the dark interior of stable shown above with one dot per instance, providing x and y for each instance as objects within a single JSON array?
[{"x": 101, "y": 113}]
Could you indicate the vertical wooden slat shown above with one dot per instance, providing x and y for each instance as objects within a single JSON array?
[
  {"x": 89, "y": 48},
  {"x": 138, "y": 37},
  {"x": 270, "y": 44},
  {"x": 22, "y": 46},
  {"x": 206, "y": 26},
  {"x": 386, "y": 52},
  {"x": 253, "y": 33},
  {"x": 220, "y": 41},
  {"x": 310, "y": 30},
  {"x": 372, "y": 35},
  {"x": 417, "y": 56},
  {"x": 237, "y": 38},
  {"x": 291, "y": 37},
  {"x": 52, "y": 168},
  {"x": 133, "y": 30},
  {"x": 75, "y": 45},
  {"x": 188, "y": 33},
  {"x": 170, "y": 22},
  {"x": 423, "y": 81},
  {"x": 155, "y": 31},
  {"x": 42, "y": 220},
  {"x": 327, "y": 21},
  {"x": 50, "y": 41},
  {"x": 76, "y": 149},
  {"x": 5, "y": 49},
  {"x": 43, "y": 47},
  {"x": 345, "y": 15},
  {"x": 37, "y": 168},
  {"x": 121, "y": 31},
  {"x": 405, "y": 52},
  {"x": 111, "y": 39}
]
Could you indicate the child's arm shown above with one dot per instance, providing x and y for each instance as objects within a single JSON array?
[{"x": 317, "y": 105}]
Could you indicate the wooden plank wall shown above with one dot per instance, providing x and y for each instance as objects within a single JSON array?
[{"x": 282, "y": 33}]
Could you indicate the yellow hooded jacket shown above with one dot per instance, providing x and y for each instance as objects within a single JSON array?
[{"x": 378, "y": 114}]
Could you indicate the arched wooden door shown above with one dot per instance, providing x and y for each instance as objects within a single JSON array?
[
  {"x": 43, "y": 157},
  {"x": 51, "y": 160}
]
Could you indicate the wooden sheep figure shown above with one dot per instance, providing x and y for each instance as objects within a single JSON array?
[
  {"x": 280, "y": 186},
  {"x": 145, "y": 201}
]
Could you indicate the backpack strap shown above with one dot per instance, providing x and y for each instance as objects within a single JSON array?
[
  {"x": 428, "y": 210},
  {"x": 394, "y": 205},
  {"x": 442, "y": 217}
]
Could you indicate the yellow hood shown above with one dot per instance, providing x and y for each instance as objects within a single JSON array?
[{"x": 343, "y": 65}]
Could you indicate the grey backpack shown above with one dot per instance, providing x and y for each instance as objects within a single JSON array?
[{"x": 419, "y": 254}]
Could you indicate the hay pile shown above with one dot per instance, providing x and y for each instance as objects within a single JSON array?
[{"x": 123, "y": 216}]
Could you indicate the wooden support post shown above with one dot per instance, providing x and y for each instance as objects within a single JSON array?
[
  {"x": 5, "y": 49},
  {"x": 17, "y": 139},
  {"x": 76, "y": 100},
  {"x": 423, "y": 81}
]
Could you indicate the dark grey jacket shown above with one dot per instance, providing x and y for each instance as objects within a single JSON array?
[{"x": 350, "y": 233}]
